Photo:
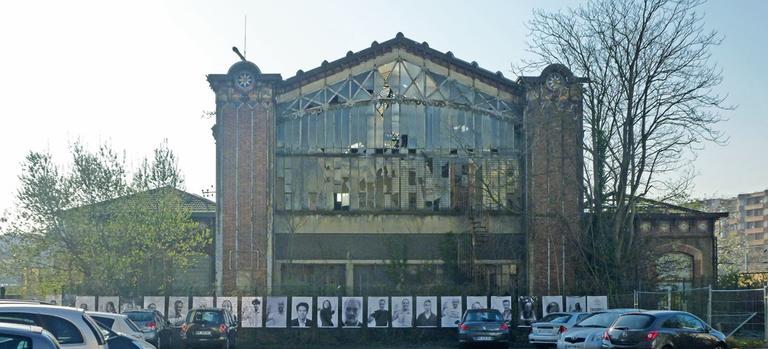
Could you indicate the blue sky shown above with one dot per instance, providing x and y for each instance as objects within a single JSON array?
[{"x": 134, "y": 73}]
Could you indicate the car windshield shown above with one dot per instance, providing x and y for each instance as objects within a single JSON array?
[
  {"x": 205, "y": 316},
  {"x": 556, "y": 318},
  {"x": 140, "y": 317},
  {"x": 598, "y": 320},
  {"x": 634, "y": 321}
]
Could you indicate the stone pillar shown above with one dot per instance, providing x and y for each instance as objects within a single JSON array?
[
  {"x": 245, "y": 145},
  {"x": 554, "y": 173}
]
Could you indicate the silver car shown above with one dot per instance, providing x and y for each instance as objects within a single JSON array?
[
  {"x": 588, "y": 333},
  {"x": 546, "y": 332},
  {"x": 26, "y": 336},
  {"x": 73, "y": 328}
]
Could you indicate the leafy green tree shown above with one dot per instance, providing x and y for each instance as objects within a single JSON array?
[
  {"x": 85, "y": 228},
  {"x": 649, "y": 103}
]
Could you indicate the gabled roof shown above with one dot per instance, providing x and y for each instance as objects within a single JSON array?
[
  {"x": 447, "y": 59},
  {"x": 195, "y": 203}
]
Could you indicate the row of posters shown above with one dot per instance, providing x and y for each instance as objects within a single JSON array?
[{"x": 331, "y": 312}]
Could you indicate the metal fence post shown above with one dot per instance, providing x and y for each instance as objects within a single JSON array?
[
  {"x": 709, "y": 305},
  {"x": 635, "y": 299},
  {"x": 765, "y": 312},
  {"x": 669, "y": 300}
]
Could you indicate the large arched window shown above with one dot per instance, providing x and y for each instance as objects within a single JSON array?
[{"x": 675, "y": 271}]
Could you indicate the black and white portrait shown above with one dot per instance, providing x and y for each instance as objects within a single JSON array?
[
  {"x": 155, "y": 303},
  {"x": 230, "y": 304},
  {"x": 378, "y": 314},
  {"x": 53, "y": 299},
  {"x": 402, "y": 312},
  {"x": 451, "y": 310},
  {"x": 576, "y": 304},
  {"x": 202, "y": 302},
  {"x": 527, "y": 311},
  {"x": 426, "y": 308},
  {"x": 177, "y": 310},
  {"x": 129, "y": 303},
  {"x": 551, "y": 304},
  {"x": 504, "y": 305},
  {"x": 301, "y": 312},
  {"x": 477, "y": 302},
  {"x": 351, "y": 312},
  {"x": 277, "y": 311},
  {"x": 326, "y": 311},
  {"x": 87, "y": 303},
  {"x": 251, "y": 313},
  {"x": 108, "y": 304}
]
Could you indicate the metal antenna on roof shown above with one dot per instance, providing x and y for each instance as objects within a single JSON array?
[{"x": 245, "y": 31}]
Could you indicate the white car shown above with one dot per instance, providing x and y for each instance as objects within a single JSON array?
[
  {"x": 73, "y": 328},
  {"x": 546, "y": 332},
  {"x": 120, "y": 323}
]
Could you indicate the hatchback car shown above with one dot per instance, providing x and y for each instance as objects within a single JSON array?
[
  {"x": 547, "y": 331},
  {"x": 483, "y": 326},
  {"x": 16, "y": 336},
  {"x": 118, "y": 323},
  {"x": 73, "y": 328},
  {"x": 117, "y": 340},
  {"x": 209, "y": 327},
  {"x": 662, "y": 329},
  {"x": 157, "y": 329},
  {"x": 588, "y": 333}
]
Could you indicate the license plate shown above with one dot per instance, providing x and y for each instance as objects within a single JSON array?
[
  {"x": 203, "y": 333},
  {"x": 483, "y": 338},
  {"x": 573, "y": 346},
  {"x": 545, "y": 331}
]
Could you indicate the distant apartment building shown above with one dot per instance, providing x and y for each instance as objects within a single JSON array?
[{"x": 748, "y": 219}]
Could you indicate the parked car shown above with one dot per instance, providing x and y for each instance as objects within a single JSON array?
[
  {"x": 209, "y": 327},
  {"x": 73, "y": 328},
  {"x": 14, "y": 336},
  {"x": 157, "y": 329},
  {"x": 483, "y": 327},
  {"x": 662, "y": 329},
  {"x": 547, "y": 331},
  {"x": 118, "y": 323},
  {"x": 117, "y": 340},
  {"x": 588, "y": 333}
]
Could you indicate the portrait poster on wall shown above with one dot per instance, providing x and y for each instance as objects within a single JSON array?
[
  {"x": 54, "y": 299},
  {"x": 595, "y": 303},
  {"x": 527, "y": 308},
  {"x": 551, "y": 304},
  {"x": 451, "y": 310},
  {"x": 108, "y": 304},
  {"x": 402, "y": 313},
  {"x": 68, "y": 300},
  {"x": 177, "y": 310},
  {"x": 351, "y": 312},
  {"x": 251, "y": 312},
  {"x": 202, "y": 302},
  {"x": 504, "y": 305},
  {"x": 87, "y": 303},
  {"x": 155, "y": 302},
  {"x": 425, "y": 308},
  {"x": 378, "y": 314},
  {"x": 129, "y": 303},
  {"x": 301, "y": 312},
  {"x": 477, "y": 302},
  {"x": 326, "y": 311},
  {"x": 575, "y": 303},
  {"x": 230, "y": 304},
  {"x": 277, "y": 312}
]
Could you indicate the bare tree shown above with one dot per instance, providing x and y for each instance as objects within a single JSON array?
[{"x": 648, "y": 105}]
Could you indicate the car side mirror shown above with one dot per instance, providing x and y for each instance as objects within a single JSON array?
[{"x": 457, "y": 322}]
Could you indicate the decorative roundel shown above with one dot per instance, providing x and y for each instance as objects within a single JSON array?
[
  {"x": 645, "y": 227},
  {"x": 703, "y": 226},
  {"x": 202, "y": 226},
  {"x": 555, "y": 81},
  {"x": 245, "y": 80},
  {"x": 664, "y": 227},
  {"x": 684, "y": 227}
]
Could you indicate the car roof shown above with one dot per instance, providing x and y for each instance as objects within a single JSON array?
[
  {"x": 53, "y": 309},
  {"x": 104, "y": 314}
]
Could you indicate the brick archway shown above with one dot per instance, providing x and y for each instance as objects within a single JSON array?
[{"x": 687, "y": 249}]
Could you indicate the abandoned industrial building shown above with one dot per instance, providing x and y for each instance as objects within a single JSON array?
[{"x": 395, "y": 169}]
